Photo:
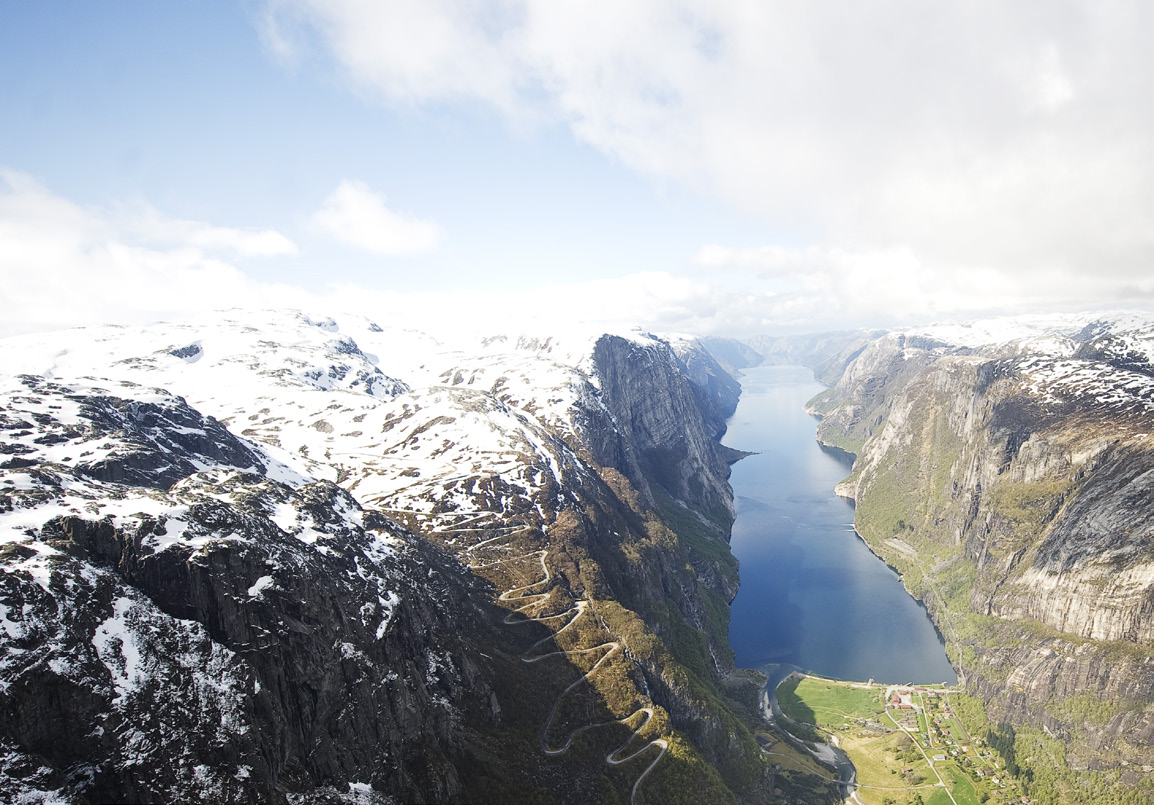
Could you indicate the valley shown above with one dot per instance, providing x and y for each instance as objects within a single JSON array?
[{"x": 263, "y": 556}]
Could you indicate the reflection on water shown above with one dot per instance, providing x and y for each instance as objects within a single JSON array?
[{"x": 812, "y": 594}]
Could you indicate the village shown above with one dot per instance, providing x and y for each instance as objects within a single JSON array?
[
  {"x": 907, "y": 742},
  {"x": 924, "y": 713}
]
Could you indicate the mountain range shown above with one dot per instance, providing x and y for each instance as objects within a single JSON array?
[
  {"x": 1006, "y": 469},
  {"x": 258, "y": 556}
]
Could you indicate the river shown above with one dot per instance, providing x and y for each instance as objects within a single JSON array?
[{"x": 812, "y": 594}]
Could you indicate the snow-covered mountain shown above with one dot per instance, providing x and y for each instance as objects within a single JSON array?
[
  {"x": 1094, "y": 359},
  {"x": 261, "y": 556}
]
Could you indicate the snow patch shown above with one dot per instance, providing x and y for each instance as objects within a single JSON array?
[
  {"x": 388, "y": 609},
  {"x": 255, "y": 591},
  {"x": 117, "y": 648}
]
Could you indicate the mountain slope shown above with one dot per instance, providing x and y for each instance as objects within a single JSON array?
[
  {"x": 1006, "y": 469},
  {"x": 194, "y": 622}
]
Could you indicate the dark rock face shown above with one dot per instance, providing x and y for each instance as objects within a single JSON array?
[
  {"x": 661, "y": 427},
  {"x": 158, "y": 441},
  {"x": 243, "y": 641},
  {"x": 718, "y": 391}
]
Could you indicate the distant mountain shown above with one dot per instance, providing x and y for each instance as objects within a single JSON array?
[
  {"x": 1006, "y": 469},
  {"x": 731, "y": 353},
  {"x": 259, "y": 556},
  {"x": 825, "y": 353}
]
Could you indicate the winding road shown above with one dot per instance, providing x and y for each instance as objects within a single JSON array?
[{"x": 525, "y": 599}]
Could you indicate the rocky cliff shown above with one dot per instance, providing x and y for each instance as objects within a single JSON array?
[
  {"x": 1007, "y": 469},
  {"x": 357, "y": 564},
  {"x": 666, "y": 413}
]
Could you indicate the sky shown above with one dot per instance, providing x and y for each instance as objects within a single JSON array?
[{"x": 718, "y": 167}]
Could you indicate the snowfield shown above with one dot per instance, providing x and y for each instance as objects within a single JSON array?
[{"x": 398, "y": 417}]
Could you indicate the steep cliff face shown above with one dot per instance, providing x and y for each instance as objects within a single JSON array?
[
  {"x": 351, "y": 563},
  {"x": 663, "y": 426},
  {"x": 1009, "y": 478}
]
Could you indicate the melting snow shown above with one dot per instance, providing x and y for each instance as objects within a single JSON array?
[{"x": 388, "y": 608}]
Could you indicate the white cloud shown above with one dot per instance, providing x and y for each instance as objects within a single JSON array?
[
  {"x": 62, "y": 264},
  {"x": 407, "y": 52},
  {"x": 151, "y": 226},
  {"x": 1011, "y": 139},
  {"x": 653, "y": 300},
  {"x": 834, "y": 288},
  {"x": 356, "y": 216}
]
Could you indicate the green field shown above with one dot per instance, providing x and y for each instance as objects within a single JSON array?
[
  {"x": 827, "y": 703},
  {"x": 964, "y": 791},
  {"x": 891, "y": 770}
]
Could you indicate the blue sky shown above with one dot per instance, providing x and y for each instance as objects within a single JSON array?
[{"x": 727, "y": 167}]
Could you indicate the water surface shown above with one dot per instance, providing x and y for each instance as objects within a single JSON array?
[{"x": 812, "y": 594}]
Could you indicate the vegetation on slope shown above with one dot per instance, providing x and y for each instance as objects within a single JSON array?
[{"x": 961, "y": 486}]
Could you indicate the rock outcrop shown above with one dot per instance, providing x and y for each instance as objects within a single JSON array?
[{"x": 665, "y": 421}]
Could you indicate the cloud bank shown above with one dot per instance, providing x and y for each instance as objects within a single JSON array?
[
  {"x": 63, "y": 264},
  {"x": 978, "y": 143}
]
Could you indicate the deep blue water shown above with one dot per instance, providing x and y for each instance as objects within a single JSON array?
[{"x": 812, "y": 594}]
